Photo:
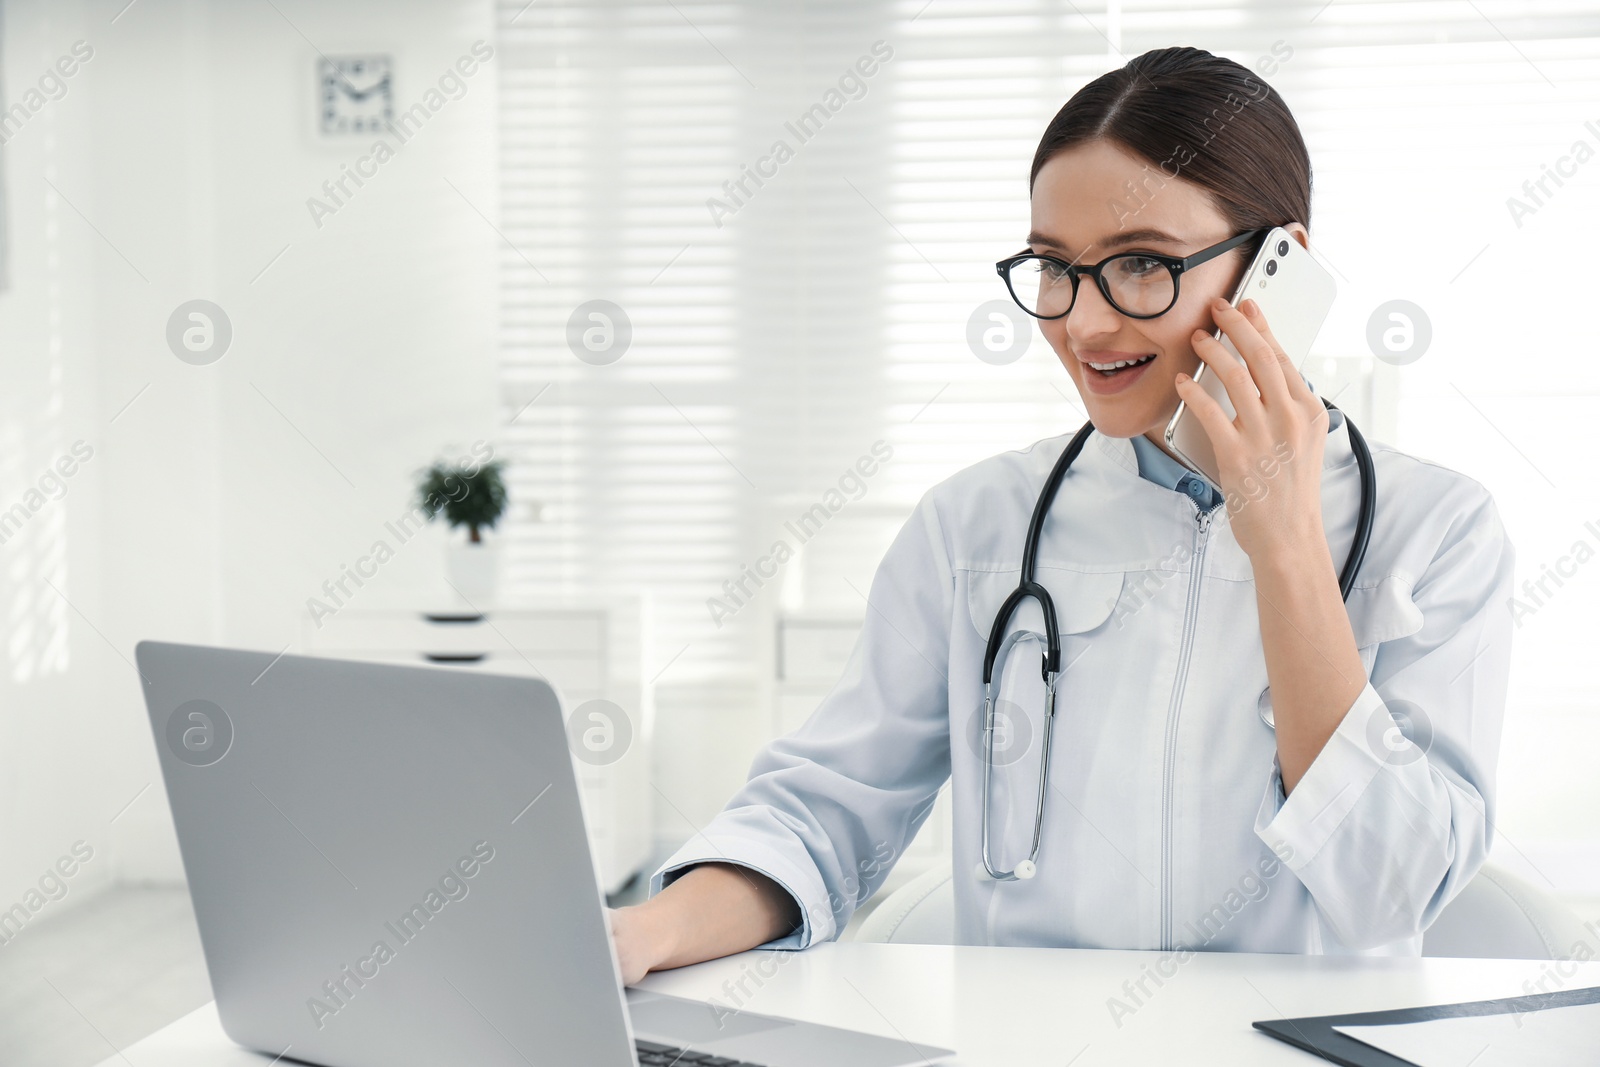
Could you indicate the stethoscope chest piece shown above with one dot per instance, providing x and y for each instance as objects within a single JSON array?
[
  {"x": 1024, "y": 870},
  {"x": 1264, "y": 707}
]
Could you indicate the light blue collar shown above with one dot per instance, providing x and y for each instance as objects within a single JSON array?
[{"x": 1156, "y": 466}]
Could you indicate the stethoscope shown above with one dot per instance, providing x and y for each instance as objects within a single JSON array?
[{"x": 1000, "y": 644}]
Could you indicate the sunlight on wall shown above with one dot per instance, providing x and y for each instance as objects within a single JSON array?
[{"x": 33, "y": 526}]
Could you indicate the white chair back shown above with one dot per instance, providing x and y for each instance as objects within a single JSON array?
[{"x": 1497, "y": 916}]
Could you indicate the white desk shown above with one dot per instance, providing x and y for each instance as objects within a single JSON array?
[{"x": 1015, "y": 1005}]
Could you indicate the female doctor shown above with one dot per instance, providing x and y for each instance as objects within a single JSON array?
[{"x": 1240, "y": 758}]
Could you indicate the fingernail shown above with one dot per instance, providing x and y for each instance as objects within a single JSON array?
[{"x": 1182, "y": 377}]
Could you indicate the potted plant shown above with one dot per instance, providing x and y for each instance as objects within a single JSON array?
[{"x": 470, "y": 496}]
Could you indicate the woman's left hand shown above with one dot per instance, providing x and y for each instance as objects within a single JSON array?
[{"x": 1269, "y": 456}]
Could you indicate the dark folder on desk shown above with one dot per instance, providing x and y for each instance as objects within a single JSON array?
[{"x": 1316, "y": 1033}]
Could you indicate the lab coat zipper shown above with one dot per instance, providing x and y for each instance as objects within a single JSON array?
[{"x": 1190, "y": 611}]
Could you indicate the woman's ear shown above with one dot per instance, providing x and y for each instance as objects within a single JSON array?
[{"x": 1300, "y": 234}]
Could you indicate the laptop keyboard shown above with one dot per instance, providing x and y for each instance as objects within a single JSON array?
[{"x": 652, "y": 1054}]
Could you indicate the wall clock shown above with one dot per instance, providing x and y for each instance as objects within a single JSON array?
[{"x": 355, "y": 94}]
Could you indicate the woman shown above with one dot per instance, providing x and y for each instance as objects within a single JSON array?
[{"x": 1176, "y": 817}]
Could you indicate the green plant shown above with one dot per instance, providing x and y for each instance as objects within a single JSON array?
[{"x": 473, "y": 496}]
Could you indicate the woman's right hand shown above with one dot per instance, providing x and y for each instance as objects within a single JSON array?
[
  {"x": 637, "y": 941},
  {"x": 714, "y": 909}
]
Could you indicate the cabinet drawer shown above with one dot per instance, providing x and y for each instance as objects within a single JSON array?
[
  {"x": 582, "y": 632},
  {"x": 572, "y": 674},
  {"x": 814, "y": 650}
]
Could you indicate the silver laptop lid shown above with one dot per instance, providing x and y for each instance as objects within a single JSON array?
[{"x": 388, "y": 863}]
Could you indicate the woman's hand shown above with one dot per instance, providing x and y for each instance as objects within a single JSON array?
[
  {"x": 713, "y": 909},
  {"x": 1270, "y": 464},
  {"x": 1269, "y": 456},
  {"x": 637, "y": 940}
]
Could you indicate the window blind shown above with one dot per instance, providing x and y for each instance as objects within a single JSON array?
[{"x": 830, "y": 309}]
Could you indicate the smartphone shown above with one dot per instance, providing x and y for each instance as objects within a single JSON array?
[{"x": 1295, "y": 294}]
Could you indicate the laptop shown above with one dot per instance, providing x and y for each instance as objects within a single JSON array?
[{"x": 390, "y": 868}]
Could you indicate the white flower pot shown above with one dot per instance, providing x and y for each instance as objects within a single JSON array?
[{"x": 474, "y": 571}]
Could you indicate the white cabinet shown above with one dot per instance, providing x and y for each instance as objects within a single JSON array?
[{"x": 587, "y": 654}]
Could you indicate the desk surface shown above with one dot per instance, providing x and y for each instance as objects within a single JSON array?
[{"x": 1029, "y": 1005}]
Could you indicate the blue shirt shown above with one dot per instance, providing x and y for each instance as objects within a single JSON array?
[{"x": 1156, "y": 466}]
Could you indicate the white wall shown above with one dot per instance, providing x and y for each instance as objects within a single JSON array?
[
  {"x": 224, "y": 495},
  {"x": 55, "y": 672}
]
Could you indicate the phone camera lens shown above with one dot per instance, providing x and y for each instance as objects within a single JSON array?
[
  {"x": 1283, "y": 248},
  {"x": 1272, "y": 266}
]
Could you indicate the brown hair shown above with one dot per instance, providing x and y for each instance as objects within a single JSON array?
[{"x": 1200, "y": 117}]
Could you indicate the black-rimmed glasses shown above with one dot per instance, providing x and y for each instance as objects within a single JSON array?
[{"x": 1141, "y": 285}]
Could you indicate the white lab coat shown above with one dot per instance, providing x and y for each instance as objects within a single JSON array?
[{"x": 1165, "y": 823}]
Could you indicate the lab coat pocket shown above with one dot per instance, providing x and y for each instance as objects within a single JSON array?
[
  {"x": 1084, "y": 600},
  {"x": 1383, "y": 611},
  {"x": 1084, "y": 603}
]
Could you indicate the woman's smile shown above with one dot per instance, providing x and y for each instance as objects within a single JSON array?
[{"x": 1106, "y": 372}]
